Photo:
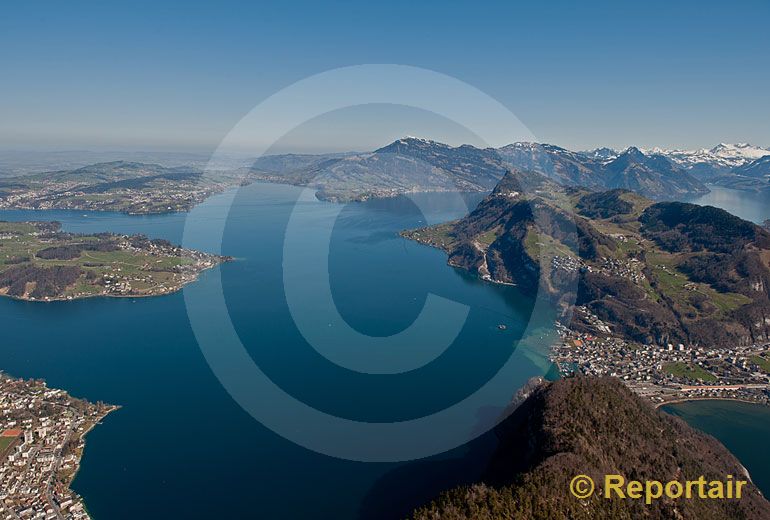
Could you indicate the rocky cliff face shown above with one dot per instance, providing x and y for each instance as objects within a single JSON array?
[{"x": 594, "y": 427}]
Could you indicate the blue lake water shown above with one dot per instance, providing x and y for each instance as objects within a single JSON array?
[
  {"x": 747, "y": 205},
  {"x": 742, "y": 427},
  {"x": 180, "y": 447}
]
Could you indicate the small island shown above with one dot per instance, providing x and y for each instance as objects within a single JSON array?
[
  {"x": 40, "y": 262},
  {"x": 42, "y": 438}
]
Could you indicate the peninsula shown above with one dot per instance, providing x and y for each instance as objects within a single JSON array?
[
  {"x": 672, "y": 298},
  {"x": 40, "y": 262},
  {"x": 42, "y": 438}
]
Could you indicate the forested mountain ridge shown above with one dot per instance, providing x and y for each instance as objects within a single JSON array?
[{"x": 564, "y": 429}]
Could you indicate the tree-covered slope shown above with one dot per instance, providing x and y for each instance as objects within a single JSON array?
[{"x": 594, "y": 427}]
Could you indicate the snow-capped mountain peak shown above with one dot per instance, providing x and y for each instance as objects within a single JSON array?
[
  {"x": 602, "y": 154},
  {"x": 720, "y": 159},
  {"x": 739, "y": 151}
]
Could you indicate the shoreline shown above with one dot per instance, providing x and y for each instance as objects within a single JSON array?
[
  {"x": 50, "y": 428},
  {"x": 82, "y": 438},
  {"x": 320, "y": 195},
  {"x": 123, "y": 296},
  {"x": 694, "y": 399},
  {"x": 102, "y": 210}
]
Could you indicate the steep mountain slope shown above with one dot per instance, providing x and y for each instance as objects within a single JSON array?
[
  {"x": 758, "y": 169},
  {"x": 653, "y": 176},
  {"x": 564, "y": 166},
  {"x": 563, "y": 429},
  {"x": 753, "y": 176},
  {"x": 404, "y": 166},
  {"x": 467, "y": 164},
  {"x": 656, "y": 273}
]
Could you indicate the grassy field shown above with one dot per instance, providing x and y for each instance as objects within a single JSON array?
[
  {"x": 16, "y": 227},
  {"x": 686, "y": 371},
  {"x": 140, "y": 271},
  {"x": 487, "y": 238},
  {"x": 541, "y": 245},
  {"x": 675, "y": 284},
  {"x": 763, "y": 363},
  {"x": 4, "y": 443},
  {"x": 437, "y": 236}
]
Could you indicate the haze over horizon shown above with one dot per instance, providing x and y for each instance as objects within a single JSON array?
[
  {"x": 315, "y": 149},
  {"x": 181, "y": 75}
]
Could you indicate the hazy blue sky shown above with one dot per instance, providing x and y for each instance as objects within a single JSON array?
[{"x": 181, "y": 74}]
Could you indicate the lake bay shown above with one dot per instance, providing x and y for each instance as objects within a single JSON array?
[{"x": 180, "y": 447}]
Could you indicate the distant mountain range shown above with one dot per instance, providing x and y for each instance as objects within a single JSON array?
[
  {"x": 720, "y": 159},
  {"x": 14, "y": 163},
  {"x": 725, "y": 164},
  {"x": 407, "y": 165},
  {"x": 404, "y": 166},
  {"x": 651, "y": 175},
  {"x": 412, "y": 164},
  {"x": 739, "y": 166}
]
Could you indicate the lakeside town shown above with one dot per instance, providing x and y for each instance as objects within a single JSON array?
[
  {"x": 42, "y": 438},
  {"x": 667, "y": 373},
  {"x": 662, "y": 373}
]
